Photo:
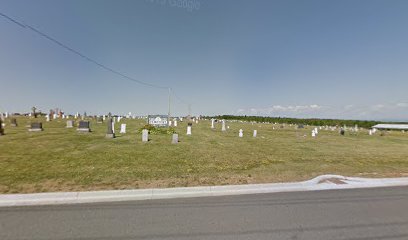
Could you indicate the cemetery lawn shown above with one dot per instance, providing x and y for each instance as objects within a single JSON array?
[{"x": 60, "y": 159}]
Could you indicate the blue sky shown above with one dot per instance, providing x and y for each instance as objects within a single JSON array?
[{"x": 337, "y": 59}]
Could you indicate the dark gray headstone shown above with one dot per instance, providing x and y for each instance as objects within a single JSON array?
[
  {"x": 1, "y": 128},
  {"x": 13, "y": 122},
  {"x": 83, "y": 126},
  {"x": 342, "y": 132},
  {"x": 110, "y": 133},
  {"x": 36, "y": 127}
]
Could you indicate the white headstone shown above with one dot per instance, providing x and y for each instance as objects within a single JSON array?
[
  {"x": 170, "y": 123},
  {"x": 113, "y": 126},
  {"x": 370, "y": 132},
  {"x": 255, "y": 133},
  {"x": 104, "y": 118},
  {"x": 47, "y": 117},
  {"x": 70, "y": 124},
  {"x": 223, "y": 126},
  {"x": 123, "y": 128},
  {"x": 145, "y": 135},
  {"x": 174, "y": 139},
  {"x": 6, "y": 115},
  {"x": 188, "y": 130},
  {"x": 241, "y": 133},
  {"x": 175, "y": 123},
  {"x": 313, "y": 133},
  {"x": 212, "y": 123}
]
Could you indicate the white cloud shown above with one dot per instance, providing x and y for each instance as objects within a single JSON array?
[
  {"x": 402, "y": 104},
  {"x": 380, "y": 111},
  {"x": 278, "y": 109}
]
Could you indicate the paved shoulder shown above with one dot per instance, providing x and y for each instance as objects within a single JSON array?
[{"x": 379, "y": 213}]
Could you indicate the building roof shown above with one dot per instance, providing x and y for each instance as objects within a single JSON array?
[{"x": 392, "y": 126}]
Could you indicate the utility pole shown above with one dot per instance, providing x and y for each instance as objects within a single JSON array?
[{"x": 168, "y": 120}]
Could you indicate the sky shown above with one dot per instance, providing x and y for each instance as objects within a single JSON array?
[{"x": 328, "y": 59}]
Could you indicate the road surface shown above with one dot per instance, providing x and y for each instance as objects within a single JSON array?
[{"x": 358, "y": 214}]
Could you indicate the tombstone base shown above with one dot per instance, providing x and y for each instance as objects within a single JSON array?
[
  {"x": 110, "y": 135},
  {"x": 84, "y": 130},
  {"x": 35, "y": 129},
  {"x": 13, "y": 125}
]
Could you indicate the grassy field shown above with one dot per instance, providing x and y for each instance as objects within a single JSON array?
[{"x": 60, "y": 159}]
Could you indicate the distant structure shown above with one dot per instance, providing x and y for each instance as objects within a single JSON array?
[{"x": 390, "y": 127}]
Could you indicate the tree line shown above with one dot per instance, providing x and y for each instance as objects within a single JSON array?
[{"x": 300, "y": 121}]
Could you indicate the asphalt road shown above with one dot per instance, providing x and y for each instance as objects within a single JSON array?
[{"x": 358, "y": 214}]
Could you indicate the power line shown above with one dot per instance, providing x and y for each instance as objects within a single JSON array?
[
  {"x": 48, "y": 37},
  {"x": 83, "y": 56},
  {"x": 178, "y": 98}
]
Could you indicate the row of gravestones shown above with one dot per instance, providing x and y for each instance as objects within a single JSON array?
[{"x": 84, "y": 126}]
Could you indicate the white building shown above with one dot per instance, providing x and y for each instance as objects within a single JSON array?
[{"x": 390, "y": 127}]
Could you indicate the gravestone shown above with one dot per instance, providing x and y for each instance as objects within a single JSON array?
[
  {"x": 342, "y": 131},
  {"x": 70, "y": 124},
  {"x": 241, "y": 133},
  {"x": 175, "y": 123},
  {"x": 170, "y": 123},
  {"x": 110, "y": 133},
  {"x": 174, "y": 139},
  {"x": 83, "y": 126},
  {"x": 13, "y": 122},
  {"x": 47, "y": 118},
  {"x": 223, "y": 126},
  {"x": 1, "y": 127},
  {"x": 123, "y": 128},
  {"x": 113, "y": 126},
  {"x": 189, "y": 128},
  {"x": 255, "y": 133},
  {"x": 36, "y": 127},
  {"x": 313, "y": 133},
  {"x": 103, "y": 118},
  {"x": 145, "y": 135},
  {"x": 212, "y": 123},
  {"x": 370, "y": 132}
]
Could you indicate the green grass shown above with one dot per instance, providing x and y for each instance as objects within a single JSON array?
[{"x": 60, "y": 159}]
